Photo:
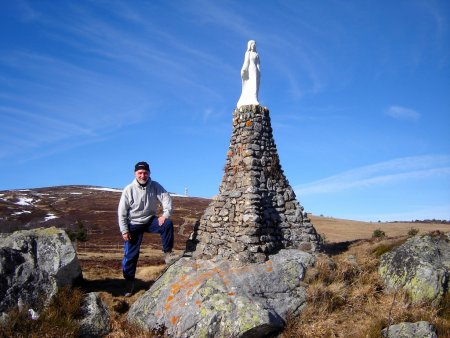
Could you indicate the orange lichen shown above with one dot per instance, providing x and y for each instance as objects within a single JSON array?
[
  {"x": 248, "y": 123},
  {"x": 229, "y": 153},
  {"x": 269, "y": 267},
  {"x": 198, "y": 302},
  {"x": 169, "y": 299},
  {"x": 231, "y": 293},
  {"x": 174, "y": 320}
]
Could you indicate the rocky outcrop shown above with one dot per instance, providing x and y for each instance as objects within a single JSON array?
[
  {"x": 201, "y": 298},
  {"x": 410, "y": 330},
  {"x": 420, "y": 266},
  {"x": 33, "y": 265},
  {"x": 256, "y": 212},
  {"x": 249, "y": 250},
  {"x": 96, "y": 319}
]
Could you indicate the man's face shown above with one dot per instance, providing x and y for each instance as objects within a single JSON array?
[{"x": 141, "y": 176}]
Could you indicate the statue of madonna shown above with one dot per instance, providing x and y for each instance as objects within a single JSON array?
[{"x": 250, "y": 74}]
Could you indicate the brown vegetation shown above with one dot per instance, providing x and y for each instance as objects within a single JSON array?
[
  {"x": 346, "y": 298},
  {"x": 58, "y": 320}
]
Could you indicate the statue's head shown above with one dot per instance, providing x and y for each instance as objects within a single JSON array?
[{"x": 251, "y": 45}]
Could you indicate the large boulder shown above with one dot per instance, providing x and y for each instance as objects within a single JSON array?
[
  {"x": 420, "y": 266},
  {"x": 205, "y": 298},
  {"x": 33, "y": 265},
  {"x": 410, "y": 330}
]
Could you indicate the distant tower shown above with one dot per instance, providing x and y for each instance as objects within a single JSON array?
[{"x": 186, "y": 192}]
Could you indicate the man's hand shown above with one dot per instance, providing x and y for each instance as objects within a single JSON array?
[
  {"x": 126, "y": 236},
  {"x": 161, "y": 220}
]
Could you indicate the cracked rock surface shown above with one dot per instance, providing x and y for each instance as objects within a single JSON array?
[{"x": 220, "y": 298}]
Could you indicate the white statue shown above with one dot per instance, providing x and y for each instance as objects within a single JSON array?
[{"x": 250, "y": 76}]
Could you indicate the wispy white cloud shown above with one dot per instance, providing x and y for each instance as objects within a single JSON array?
[
  {"x": 26, "y": 12},
  {"x": 402, "y": 113},
  {"x": 230, "y": 18},
  {"x": 440, "y": 24},
  {"x": 394, "y": 171}
]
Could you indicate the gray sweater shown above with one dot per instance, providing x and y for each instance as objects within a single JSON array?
[{"x": 138, "y": 204}]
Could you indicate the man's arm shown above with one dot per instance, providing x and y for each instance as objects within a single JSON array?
[
  {"x": 166, "y": 201},
  {"x": 122, "y": 212}
]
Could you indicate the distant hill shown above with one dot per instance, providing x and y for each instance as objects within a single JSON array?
[{"x": 96, "y": 209}]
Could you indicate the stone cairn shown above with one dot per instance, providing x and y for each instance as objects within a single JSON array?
[{"x": 255, "y": 213}]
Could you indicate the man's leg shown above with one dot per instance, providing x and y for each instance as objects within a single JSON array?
[
  {"x": 131, "y": 253},
  {"x": 165, "y": 230}
]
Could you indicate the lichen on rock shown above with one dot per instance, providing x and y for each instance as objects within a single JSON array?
[
  {"x": 200, "y": 298},
  {"x": 420, "y": 266}
]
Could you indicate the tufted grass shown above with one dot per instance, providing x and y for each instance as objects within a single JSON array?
[
  {"x": 346, "y": 298},
  {"x": 58, "y": 320}
]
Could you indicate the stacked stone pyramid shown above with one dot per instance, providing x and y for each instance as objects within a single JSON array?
[{"x": 256, "y": 212}]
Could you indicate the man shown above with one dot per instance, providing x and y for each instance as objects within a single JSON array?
[{"x": 137, "y": 214}]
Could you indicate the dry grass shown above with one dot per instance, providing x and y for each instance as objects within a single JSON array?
[
  {"x": 341, "y": 230},
  {"x": 108, "y": 281},
  {"x": 346, "y": 298},
  {"x": 58, "y": 320}
]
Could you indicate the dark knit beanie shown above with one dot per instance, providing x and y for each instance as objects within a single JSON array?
[{"x": 141, "y": 166}]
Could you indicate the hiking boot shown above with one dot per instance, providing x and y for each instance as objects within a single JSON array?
[
  {"x": 170, "y": 257},
  {"x": 129, "y": 288}
]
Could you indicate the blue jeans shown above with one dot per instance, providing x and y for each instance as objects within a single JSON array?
[{"x": 132, "y": 247}]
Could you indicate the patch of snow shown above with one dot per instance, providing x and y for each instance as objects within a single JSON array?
[
  {"x": 24, "y": 201},
  {"x": 76, "y": 193},
  {"x": 106, "y": 189},
  {"x": 25, "y": 190},
  {"x": 177, "y": 195},
  {"x": 20, "y": 212},
  {"x": 49, "y": 217}
]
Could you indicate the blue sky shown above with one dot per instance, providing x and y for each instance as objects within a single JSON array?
[{"x": 358, "y": 91}]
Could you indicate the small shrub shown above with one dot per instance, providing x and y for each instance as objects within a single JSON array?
[
  {"x": 412, "y": 232},
  {"x": 78, "y": 235},
  {"x": 381, "y": 249},
  {"x": 378, "y": 233}
]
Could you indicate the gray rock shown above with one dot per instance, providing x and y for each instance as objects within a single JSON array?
[
  {"x": 33, "y": 264},
  {"x": 96, "y": 319},
  {"x": 410, "y": 330},
  {"x": 420, "y": 266},
  {"x": 205, "y": 298}
]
